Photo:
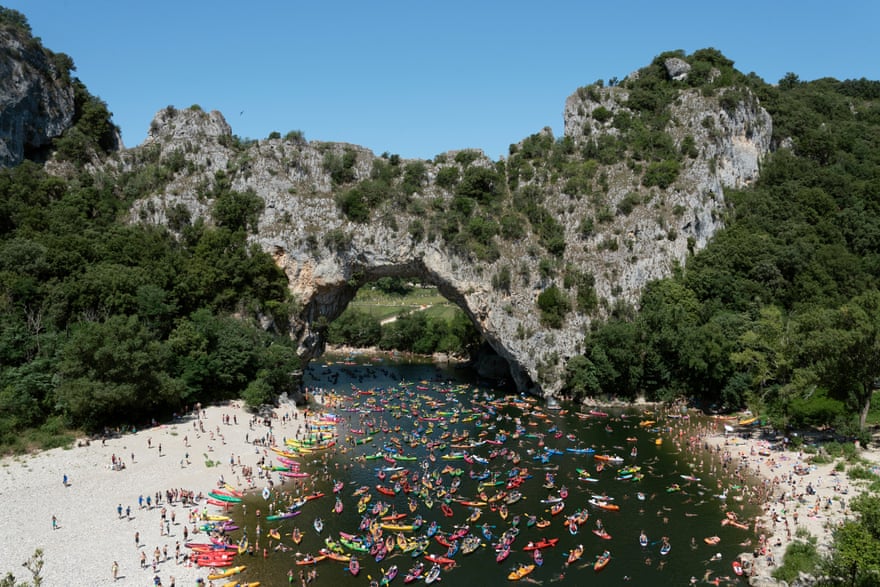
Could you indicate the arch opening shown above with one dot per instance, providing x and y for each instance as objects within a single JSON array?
[{"x": 327, "y": 301}]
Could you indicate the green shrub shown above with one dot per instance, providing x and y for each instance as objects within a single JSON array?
[
  {"x": 602, "y": 114},
  {"x": 661, "y": 173},
  {"x": 554, "y": 305},
  {"x": 800, "y": 557}
]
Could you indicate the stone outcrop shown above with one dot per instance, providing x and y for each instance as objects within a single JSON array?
[
  {"x": 36, "y": 98},
  {"x": 327, "y": 257}
]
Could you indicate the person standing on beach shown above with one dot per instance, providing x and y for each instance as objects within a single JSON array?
[
  {"x": 64, "y": 481},
  {"x": 115, "y": 570},
  {"x": 54, "y": 522}
]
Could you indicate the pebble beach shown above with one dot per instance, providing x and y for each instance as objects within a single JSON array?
[{"x": 184, "y": 458}]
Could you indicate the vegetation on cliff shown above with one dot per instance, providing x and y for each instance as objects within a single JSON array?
[{"x": 781, "y": 311}]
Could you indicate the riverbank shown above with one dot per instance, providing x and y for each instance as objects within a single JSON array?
[
  {"x": 67, "y": 502},
  {"x": 338, "y": 352},
  {"x": 796, "y": 496}
]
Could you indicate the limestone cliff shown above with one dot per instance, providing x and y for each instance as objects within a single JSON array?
[
  {"x": 36, "y": 97},
  {"x": 592, "y": 213}
]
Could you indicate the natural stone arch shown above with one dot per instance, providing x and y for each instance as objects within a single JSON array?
[{"x": 325, "y": 290}]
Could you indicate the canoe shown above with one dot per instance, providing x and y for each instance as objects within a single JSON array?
[
  {"x": 543, "y": 543},
  {"x": 225, "y": 498},
  {"x": 227, "y": 573},
  {"x": 438, "y": 559}
]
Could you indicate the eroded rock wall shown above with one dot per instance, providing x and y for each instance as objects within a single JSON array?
[{"x": 36, "y": 100}]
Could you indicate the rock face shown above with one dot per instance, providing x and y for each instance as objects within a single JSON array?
[
  {"x": 36, "y": 99},
  {"x": 327, "y": 257}
]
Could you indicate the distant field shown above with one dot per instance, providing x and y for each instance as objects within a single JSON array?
[{"x": 382, "y": 305}]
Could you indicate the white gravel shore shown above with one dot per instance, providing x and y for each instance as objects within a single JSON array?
[
  {"x": 801, "y": 496},
  {"x": 90, "y": 534}
]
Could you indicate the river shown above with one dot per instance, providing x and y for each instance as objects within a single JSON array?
[{"x": 662, "y": 502}]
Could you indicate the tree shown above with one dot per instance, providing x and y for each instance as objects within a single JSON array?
[
  {"x": 554, "y": 305},
  {"x": 238, "y": 210},
  {"x": 765, "y": 351},
  {"x": 581, "y": 378},
  {"x": 850, "y": 357},
  {"x": 34, "y": 565},
  {"x": 855, "y": 558}
]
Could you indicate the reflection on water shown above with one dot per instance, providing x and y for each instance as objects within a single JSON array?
[{"x": 638, "y": 491}]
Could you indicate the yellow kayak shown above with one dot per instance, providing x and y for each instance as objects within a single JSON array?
[
  {"x": 227, "y": 573},
  {"x": 237, "y": 584},
  {"x": 521, "y": 572}
]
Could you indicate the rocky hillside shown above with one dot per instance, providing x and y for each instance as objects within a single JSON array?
[
  {"x": 533, "y": 247},
  {"x": 36, "y": 96}
]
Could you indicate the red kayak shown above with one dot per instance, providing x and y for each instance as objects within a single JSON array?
[
  {"x": 385, "y": 490},
  {"x": 440, "y": 560},
  {"x": 543, "y": 543},
  {"x": 447, "y": 511}
]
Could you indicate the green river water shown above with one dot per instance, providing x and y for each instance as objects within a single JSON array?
[{"x": 685, "y": 516}]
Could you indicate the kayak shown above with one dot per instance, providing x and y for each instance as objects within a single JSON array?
[
  {"x": 575, "y": 553},
  {"x": 520, "y": 572},
  {"x": 222, "y": 497},
  {"x": 543, "y": 543},
  {"x": 432, "y": 575},
  {"x": 227, "y": 573},
  {"x": 602, "y": 561}
]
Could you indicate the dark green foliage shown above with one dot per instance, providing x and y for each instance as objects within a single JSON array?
[
  {"x": 480, "y": 184},
  {"x": 554, "y": 305},
  {"x": 340, "y": 167},
  {"x": 297, "y": 137},
  {"x": 10, "y": 18},
  {"x": 357, "y": 202},
  {"x": 627, "y": 203},
  {"x": 800, "y": 557},
  {"x": 94, "y": 312},
  {"x": 855, "y": 552},
  {"x": 465, "y": 158},
  {"x": 689, "y": 148},
  {"x": 421, "y": 334},
  {"x": 415, "y": 176},
  {"x": 355, "y": 328},
  {"x": 602, "y": 114},
  {"x": 238, "y": 210},
  {"x": 778, "y": 311},
  {"x": 337, "y": 239},
  {"x": 447, "y": 177},
  {"x": 661, "y": 174},
  {"x": 92, "y": 131},
  {"x": 399, "y": 286},
  {"x": 513, "y": 226}
]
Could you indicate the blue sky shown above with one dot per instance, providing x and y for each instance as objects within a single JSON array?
[{"x": 418, "y": 78}]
